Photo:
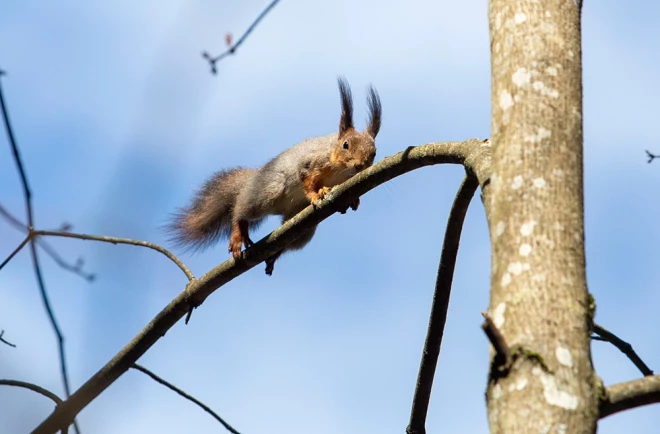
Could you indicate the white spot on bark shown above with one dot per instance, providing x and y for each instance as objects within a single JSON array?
[
  {"x": 536, "y": 278},
  {"x": 558, "y": 226},
  {"x": 564, "y": 356},
  {"x": 551, "y": 71},
  {"x": 561, "y": 428},
  {"x": 506, "y": 102},
  {"x": 551, "y": 93},
  {"x": 499, "y": 229},
  {"x": 521, "y": 77},
  {"x": 538, "y": 85},
  {"x": 515, "y": 268},
  {"x": 517, "y": 182},
  {"x": 520, "y": 17},
  {"x": 525, "y": 250},
  {"x": 540, "y": 135},
  {"x": 521, "y": 383},
  {"x": 527, "y": 228},
  {"x": 570, "y": 53},
  {"x": 498, "y": 315},
  {"x": 551, "y": 392},
  {"x": 539, "y": 183},
  {"x": 497, "y": 391},
  {"x": 506, "y": 279}
]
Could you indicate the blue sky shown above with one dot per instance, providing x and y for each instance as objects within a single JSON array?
[{"x": 119, "y": 120}]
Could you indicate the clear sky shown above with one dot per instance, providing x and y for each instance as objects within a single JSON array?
[{"x": 119, "y": 120}]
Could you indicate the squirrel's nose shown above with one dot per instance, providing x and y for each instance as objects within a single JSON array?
[{"x": 359, "y": 167}]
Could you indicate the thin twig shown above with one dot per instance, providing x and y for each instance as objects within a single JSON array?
[
  {"x": 629, "y": 395},
  {"x": 76, "y": 269},
  {"x": 33, "y": 387},
  {"x": 40, "y": 390},
  {"x": 35, "y": 260},
  {"x": 185, "y": 395},
  {"x": 651, "y": 156},
  {"x": 604, "y": 335},
  {"x": 4, "y": 341},
  {"x": 15, "y": 252},
  {"x": 440, "y": 306},
  {"x": 232, "y": 49},
  {"x": 115, "y": 240},
  {"x": 473, "y": 154}
]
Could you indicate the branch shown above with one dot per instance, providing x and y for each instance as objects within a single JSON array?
[
  {"x": 33, "y": 387},
  {"x": 440, "y": 305},
  {"x": 76, "y": 269},
  {"x": 629, "y": 395},
  {"x": 185, "y": 395},
  {"x": 473, "y": 154},
  {"x": 2, "y": 333},
  {"x": 232, "y": 48},
  {"x": 502, "y": 352},
  {"x": 40, "y": 390},
  {"x": 35, "y": 259},
  {"x": 651, "y": 156},
  {"x": 115, "y": 240},
  {"x": 16, "y": 250},
  {"x": 623, "y": 346}
]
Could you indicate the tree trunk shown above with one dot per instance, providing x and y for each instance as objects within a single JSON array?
[{"x": 539, "y": 298}]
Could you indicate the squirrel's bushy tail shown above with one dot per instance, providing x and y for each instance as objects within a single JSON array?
[{"x": 209, "y": 216}]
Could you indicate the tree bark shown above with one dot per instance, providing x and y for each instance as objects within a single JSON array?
[{"x": 539, "y": 298}]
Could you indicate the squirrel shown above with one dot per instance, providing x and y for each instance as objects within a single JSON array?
[{"x": 234, "y": 201}]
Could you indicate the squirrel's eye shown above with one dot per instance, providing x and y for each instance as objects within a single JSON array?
[{"x": 345, "y": 145}]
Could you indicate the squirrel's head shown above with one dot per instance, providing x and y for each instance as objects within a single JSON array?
[{"x": 356, "y": 150}]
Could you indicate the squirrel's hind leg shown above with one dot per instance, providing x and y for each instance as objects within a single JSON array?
[
  {"x": 296, "y": 244},
  {"x": 239, "y": 237}
]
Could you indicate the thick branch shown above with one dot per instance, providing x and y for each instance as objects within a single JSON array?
[
  {"x": 623, "y": 346},
  {"x": 440, "y": 306},
  {"x": 629, "y": 395},
  {"x": 192, "y": 399},
  {"x": 473, "y": 154}
]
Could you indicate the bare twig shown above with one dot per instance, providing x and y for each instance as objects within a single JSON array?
[
  {"x": 651, "y": 156},
  {"x": 473, "y": 154},
  {"x": 502, "y": 351},
  {"x": 40, "y": 390},
  {"x": 629, "y": 395},
  {"x": 35, "y": 259},
  {"x": 33, "y": 387},
  {"x": 115, "y": 240},
  {"x": 16, "y": 250},
  {"x": 74, "y": 268},
  {"x": 232, "y": 48},
  {"x": 604, "y": 335},
  {"x": 4, "y": 341},
  {"x": 185, "y": 395},
  {"x": 440, "y": 305}
]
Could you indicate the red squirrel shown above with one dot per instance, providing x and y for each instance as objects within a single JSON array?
[{"x": 236, "y": 200}]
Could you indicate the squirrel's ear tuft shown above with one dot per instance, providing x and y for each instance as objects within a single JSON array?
[
  {"x": 346, "y": 121},
  {"x": 375, "y": 112}
]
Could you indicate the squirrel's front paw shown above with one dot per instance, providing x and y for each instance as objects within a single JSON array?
[{"x": 320, "y": 194}]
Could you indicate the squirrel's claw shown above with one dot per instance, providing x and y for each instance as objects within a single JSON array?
[{"x": 234, "y": 249}]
